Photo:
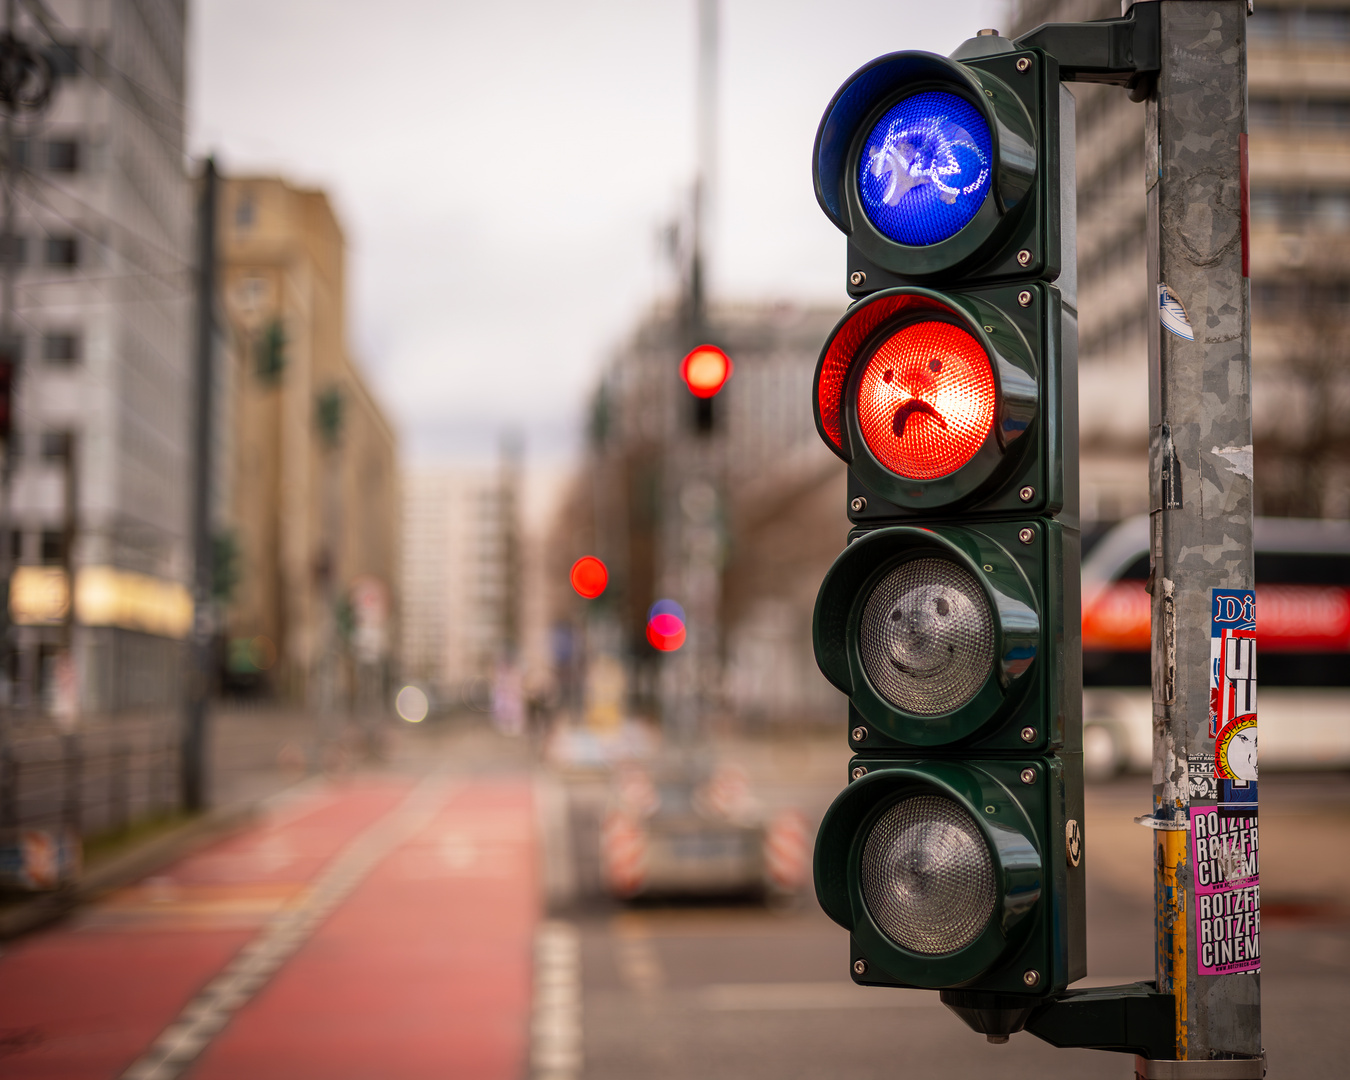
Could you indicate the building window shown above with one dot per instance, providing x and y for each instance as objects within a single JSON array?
[
  {"x": 1301, "y": 207},
  {"x": 64, "y": 59},
  {"x": 53, "y": 547},
  {"x": 61, "y": 348},
  {"x": 55, "y": 445},
  {"x": 1315, "y": 114},
  {"x": 245, "y": 212},
  {"x": 14, "y": 250},
  {"x": 1302, "y": 25},
  {"x": 63, "y": 251},
  {"x": 63, "y": 156}
]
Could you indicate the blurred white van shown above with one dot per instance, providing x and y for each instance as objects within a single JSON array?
[{"x": 1302, "y": 647}]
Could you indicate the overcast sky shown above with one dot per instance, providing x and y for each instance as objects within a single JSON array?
[{"x": 501, "y": 171}]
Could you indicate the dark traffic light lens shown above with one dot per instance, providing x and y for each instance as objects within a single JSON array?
[
  {"x": 927, "y": 637},
  {"x": 926, "y": 400},
  {"x": 925, "y": 168},
  {"x": 927, "y": 876}
]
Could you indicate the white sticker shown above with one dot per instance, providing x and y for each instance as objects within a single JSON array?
[{"x": 1173, "y": 315}]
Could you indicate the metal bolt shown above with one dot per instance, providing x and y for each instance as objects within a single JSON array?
[
  {"x": 997, "y": 1040},
  {"x": 1024, "y": 257},
  {"x": 1028, "y": 776},
  {"x": 858, "y": 504},
  {"x": 859, "y": 733},
  {"x": 1031, "y": 977},
  {"x": 988, "y": 568},
  {"x": 1028, "y": 734},
  {"x": 1024, "y": 298},
  {"x": 1024, "y": 63},
  {"x": 1027, "y": 493},
  {"x": 859, "y": 771},
  {"x": 859, "y": 967},
  {"x": 1026, "y": 535},
  {"x": 857, "y": 278},
  {"x": 986, "y": 33},
  {"x": 988, "y": 329}
]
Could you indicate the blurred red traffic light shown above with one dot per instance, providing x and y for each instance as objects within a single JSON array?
[
  {"x": 926, "y": 400},
  {"x": 589, "y": 576},
  {"x": 706, "y": 370},
  {"x": 665, "y": 632}
]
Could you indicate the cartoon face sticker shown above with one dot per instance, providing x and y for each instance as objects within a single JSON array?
[
  {"x": 1235, "y": 749},
  {"x": 926, "y": 400}
]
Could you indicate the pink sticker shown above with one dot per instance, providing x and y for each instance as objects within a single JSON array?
[{"x": 1225, "y": 853}]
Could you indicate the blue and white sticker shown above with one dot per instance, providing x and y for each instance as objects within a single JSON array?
[{"x": 1173, "y": 315}]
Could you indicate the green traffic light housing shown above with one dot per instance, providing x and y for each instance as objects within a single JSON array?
[
  {"x": 940, "y": 401},
  {"x": 949, "y": 874},
  {"x": 940, "y": 634},
  {"x": 937, "y": 167}
]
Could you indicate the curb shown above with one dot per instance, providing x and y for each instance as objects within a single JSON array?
[{"x": 126, "y": 868}]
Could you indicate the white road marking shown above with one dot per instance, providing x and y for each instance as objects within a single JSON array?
[
  {"x": 210, "y": 1011},
  {"x": 555, "y": 1029}
]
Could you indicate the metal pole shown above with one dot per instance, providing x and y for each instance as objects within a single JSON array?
[
  {"x": 199, "y": 675},
  {"x": 1200, "y": 477}
]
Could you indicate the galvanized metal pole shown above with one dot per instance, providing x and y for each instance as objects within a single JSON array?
[{"x": 1200, "y": 475}]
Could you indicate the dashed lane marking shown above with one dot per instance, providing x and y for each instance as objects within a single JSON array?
[
  {"x": 210, "y": 1011},
  {"x": 555, "y": 1035}
]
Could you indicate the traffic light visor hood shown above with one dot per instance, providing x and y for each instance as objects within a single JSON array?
[
  {"x": 931, "y": 867},
  {"x": 928, "y": 630},
  {"x": 923, "y": 160},
  {"x": 912, "y": 391}
]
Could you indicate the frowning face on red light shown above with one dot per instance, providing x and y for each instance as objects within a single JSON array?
[{"x": 926, "y": 400}]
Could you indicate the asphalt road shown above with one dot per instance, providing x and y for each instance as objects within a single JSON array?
[
  {"x": 700, "y": 990},
  {"x": 439, "y": 916}
]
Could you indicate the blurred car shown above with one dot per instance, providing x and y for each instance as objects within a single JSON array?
[{"x": 684, "y": 831}]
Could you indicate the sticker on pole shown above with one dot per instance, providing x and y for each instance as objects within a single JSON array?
[
  {"x": 1173, "y": 315},
  {"x": 1232, "y": 698},
  {"x": 1224, "y": 850}
]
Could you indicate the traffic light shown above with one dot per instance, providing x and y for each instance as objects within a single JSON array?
[
  {"x": 955, "y": 855},
  {"x": 704, "y": 371}
]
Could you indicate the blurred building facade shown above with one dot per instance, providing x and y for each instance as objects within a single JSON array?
[
  {"x": 101, "y": 258},
  {"x": 1299, "y": 120},
  {"x": 315, "y": 505},
  {"x": 462, "y": 575},
  {"x": 759, "y": 499}
]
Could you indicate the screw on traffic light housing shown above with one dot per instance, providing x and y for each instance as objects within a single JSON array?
[{"x": 951, "y": 619}]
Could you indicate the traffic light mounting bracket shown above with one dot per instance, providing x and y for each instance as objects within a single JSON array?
[
  {"x": 1130, "y": 1019},
  {"x": 1121, "y": 52}
]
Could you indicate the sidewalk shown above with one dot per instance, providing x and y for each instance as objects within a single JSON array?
[{"x": 374, "y": 927}]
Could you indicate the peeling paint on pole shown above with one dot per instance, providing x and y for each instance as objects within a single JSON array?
[{"x": 1200, "y": 468}]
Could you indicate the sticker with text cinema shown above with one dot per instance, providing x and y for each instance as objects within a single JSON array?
[
  {"x": 1232, "y": 697},
  {"x": 1224, "y": 849}
]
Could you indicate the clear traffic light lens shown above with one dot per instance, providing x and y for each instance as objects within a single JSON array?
[
  {"x": 927, "y": 636},
  {"x": 925, "y": 168},
  {"x": 927, "y": 876},
  {"x": 926, "y": 400}
]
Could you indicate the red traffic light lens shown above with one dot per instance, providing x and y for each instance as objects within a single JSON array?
[
  {"x": 706, "y": 370},
  {"x": 589, "y": 577},
  {"x": 926, "y": 400},
  {"x": 665, "y": 632}
]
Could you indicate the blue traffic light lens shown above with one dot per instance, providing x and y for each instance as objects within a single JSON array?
[{"x": 926, "y": 168}]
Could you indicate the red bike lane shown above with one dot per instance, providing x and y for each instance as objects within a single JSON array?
[{"x": 368, "y": 930}]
